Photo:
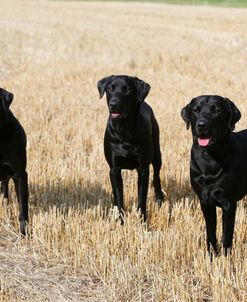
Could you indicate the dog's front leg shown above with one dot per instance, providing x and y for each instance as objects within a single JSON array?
[
  {"x": 228, "y": 221},
  {"x": 209, "y": 213},
  {"x": 117, "y": 189},
  {"x": 21, "y": 188},
  {"x": 143, "y": 176}
]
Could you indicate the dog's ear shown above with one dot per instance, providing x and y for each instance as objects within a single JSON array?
[
  {"x": 185, "y": 115},
  {"x": 234, "y": 114},
  {"x": 142, "y": 88},
  {"x": 7, "y": 98},
  {"x": 102, "y": 85}
]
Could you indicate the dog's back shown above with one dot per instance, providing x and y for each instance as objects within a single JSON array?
[
  {"x": 241, "y": 136},
  {"x": 238, "y": 161}
]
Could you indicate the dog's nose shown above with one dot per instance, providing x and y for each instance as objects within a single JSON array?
[
  {"x": 113, "y": 104},
  {"x": 201, "y": 125}
]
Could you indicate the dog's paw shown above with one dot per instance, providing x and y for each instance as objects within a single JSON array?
[
  {"x": 23, "y": 228},
  {"x": 160, "y": 197}
]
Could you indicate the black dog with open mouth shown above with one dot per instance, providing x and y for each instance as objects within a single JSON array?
[
  {"x": 218, "y": 166},
  {"x": 131, "y": 138},
  {"x": 13, "y": 157}
]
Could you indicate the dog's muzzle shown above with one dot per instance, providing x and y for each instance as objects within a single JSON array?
[
  {"x": 203, "y": 137},
  {"x": 114, "y": 108}
]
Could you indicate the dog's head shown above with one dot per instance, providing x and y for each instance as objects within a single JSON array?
[
  {"x": 6, "y": 99},
  {"x": 211, "y": 117},
  {"x": 124, "y": 94}
]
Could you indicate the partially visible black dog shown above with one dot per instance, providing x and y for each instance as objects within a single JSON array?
[
  {"x": 131, "y": 137},
  {"x": 218, "y": 167},
  {"x": 13, "y": 157}
]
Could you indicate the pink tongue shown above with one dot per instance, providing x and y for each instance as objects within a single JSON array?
[
  {"x": 203, "y": 141},
  {"x": 115, "y": 115}
]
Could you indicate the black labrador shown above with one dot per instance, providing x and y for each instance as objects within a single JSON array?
[
  {"x": 13, "y": 157},
  {"x": 218, "y": 167},
  {"x": 131, "y": 138}
]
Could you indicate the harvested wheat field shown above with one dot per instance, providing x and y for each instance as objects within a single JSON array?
[{"x": 52, "y": 54}]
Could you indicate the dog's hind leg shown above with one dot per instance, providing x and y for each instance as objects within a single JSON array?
[
  {"x": 21, "y": 188},
  {"x": 143, "y": 176},
  {"x": 159, "y": 195},
  {"x": 5, "y": 188}
]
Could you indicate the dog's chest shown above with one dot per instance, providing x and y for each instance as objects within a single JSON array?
[
  {"x": 206, "y": 165},
  {"x": 125, "y": 155},
  {"x": 125, "y": 149},
  {"x": 211, "y": 188},
  {"x": 209, "y": 180},
  {"x": 5, "y": 172}
]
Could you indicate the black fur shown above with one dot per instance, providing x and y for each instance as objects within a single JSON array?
[
  {"x": 218, "y": 167},
  {"x": 13, "y": 157},
  {"x": 131, "y": 137}
]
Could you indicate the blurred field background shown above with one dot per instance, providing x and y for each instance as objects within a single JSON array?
[{"x": 52, "y": 54}]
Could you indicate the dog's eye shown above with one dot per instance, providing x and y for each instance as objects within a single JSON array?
[
  {"x": 197, "y": 109},
  {"x": 126, "y": 89},
  {"x": 111, "y": 88},
  {"x": 214, "y": 109}
]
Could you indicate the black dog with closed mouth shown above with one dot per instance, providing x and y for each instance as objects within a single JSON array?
[
  {"x": 218, "y": 167},
  {"x": 131, "y": 138},
  {"x": 13, "y": 157}
]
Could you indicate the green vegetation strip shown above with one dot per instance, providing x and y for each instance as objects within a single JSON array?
[
  {"x": 229, "y": 3},
  {"x": 233, "y": 3}
]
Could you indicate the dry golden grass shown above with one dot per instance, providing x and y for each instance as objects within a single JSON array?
[{"x": 52, "y": 54}]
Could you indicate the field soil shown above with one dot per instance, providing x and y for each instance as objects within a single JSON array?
[{"x": 51, "y": 56}]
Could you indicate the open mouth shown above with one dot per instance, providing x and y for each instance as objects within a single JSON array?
[
  {"x": 203, "y": 141},
  {"x": 115, "y": 115}
]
